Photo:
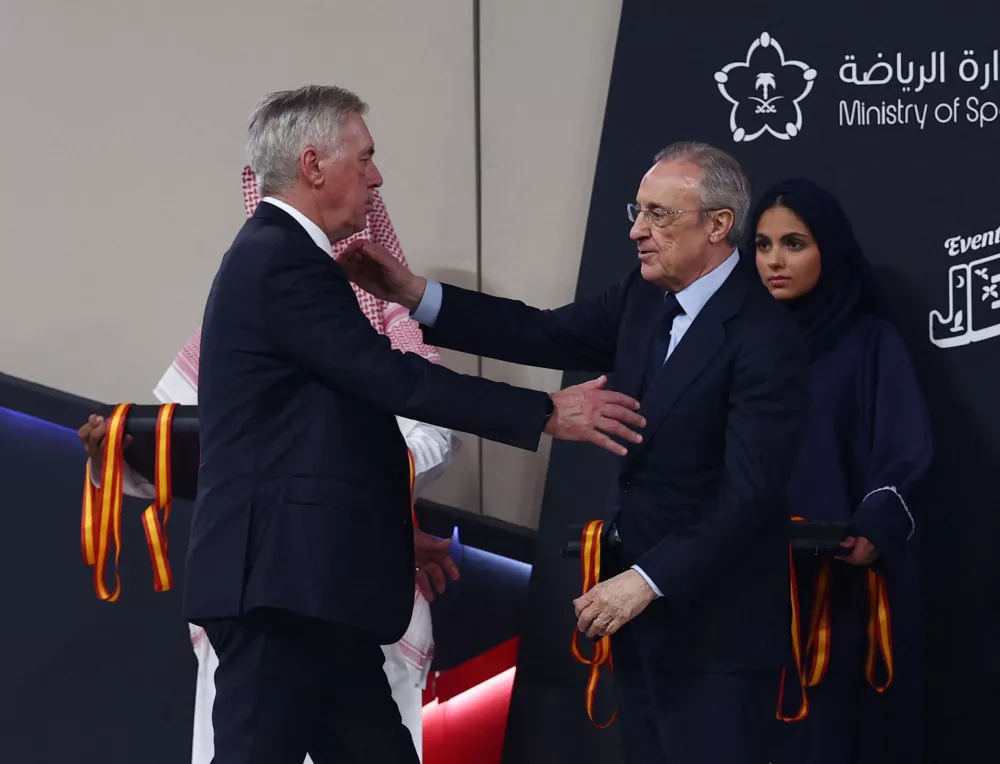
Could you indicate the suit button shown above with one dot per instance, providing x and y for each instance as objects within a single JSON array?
[{"x": 625, "y": 486}]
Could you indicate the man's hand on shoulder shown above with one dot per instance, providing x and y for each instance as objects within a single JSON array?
[
  {"x": 588, "y": 412},
  {"x": 374, "y": 268}
]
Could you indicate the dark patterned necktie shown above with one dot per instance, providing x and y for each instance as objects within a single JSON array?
[{"x": 669, "y": 310}]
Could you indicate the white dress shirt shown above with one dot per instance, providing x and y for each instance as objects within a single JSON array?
[{"x": 314, "y": 231}]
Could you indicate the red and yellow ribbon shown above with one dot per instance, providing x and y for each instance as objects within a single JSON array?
[
  {"x": 413, "y": 479},
  {"x": 817, "y": 651},
  {"x": 590, "y": 557},
  {"x": 100, "y": 524},
  {"x": 803, "y": 711},
  {"x": 879, "y": 630},
  {"x": 153, "y": 525},
  {"x": 102, "y": 507},
  {"x": 818, "y": 646},
  {"x": 812, "y": 664}
]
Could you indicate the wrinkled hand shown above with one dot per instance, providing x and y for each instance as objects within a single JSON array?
[
  {"x": 611, "y": 604},
  {"x": 92, "y": 435},
  {"x": 376, "y": 270},
  {"x": 863, "y": 551},
  {"x": 587, "y": 412},
  {"x": 433, "y": 561}
]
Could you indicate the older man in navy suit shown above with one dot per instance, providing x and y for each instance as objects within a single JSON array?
[
  {"x": 696, "y": 550},
  {"x": 301, "y": 560}
]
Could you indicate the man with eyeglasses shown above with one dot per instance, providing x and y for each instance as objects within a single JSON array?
[{"x": 695, "y": 553}]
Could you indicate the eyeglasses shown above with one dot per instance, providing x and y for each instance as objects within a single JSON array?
[{"x": 659, "y": 217}]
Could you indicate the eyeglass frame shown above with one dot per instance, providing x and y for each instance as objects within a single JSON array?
[{"x": 667, "y": 220}]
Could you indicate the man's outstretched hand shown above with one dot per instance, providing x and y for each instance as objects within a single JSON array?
[
  {"x": 374, "y": 268},
  {"x": 433, "y": 563},
  {"x": 584, "y": 412},
  {"x": 588, "y": 412}
]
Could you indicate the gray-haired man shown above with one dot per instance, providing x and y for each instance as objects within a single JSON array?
[
  {"x": 301, "y": 561},
  {"x": 695, "y": 594}
]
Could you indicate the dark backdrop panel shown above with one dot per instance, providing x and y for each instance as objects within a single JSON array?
[
  {"x": 910, "y": 189},
  {"x": 83, "y": 680}
]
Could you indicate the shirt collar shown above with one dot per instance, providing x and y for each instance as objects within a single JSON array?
[
  {"x": 693, "y": 297},
  {"x": 314, "y": 231}
]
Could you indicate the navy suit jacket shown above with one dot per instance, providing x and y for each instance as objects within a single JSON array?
[
  {"x": 303, "y": 494},
  {"x": 700, "y": 504}
]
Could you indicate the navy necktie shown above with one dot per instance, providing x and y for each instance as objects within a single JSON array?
[{"x": 669, "y": 310}]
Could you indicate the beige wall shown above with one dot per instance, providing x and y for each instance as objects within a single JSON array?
[
  {"x": 122, "y": 144},
  {"x": 545, "y": 73}
]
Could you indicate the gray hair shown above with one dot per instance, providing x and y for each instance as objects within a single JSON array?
[
  {"x": 286, "y": 123},
  {"x": 723, "y": 184}
]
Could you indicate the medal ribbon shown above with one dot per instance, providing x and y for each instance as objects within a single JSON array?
[
  {"x": 100, "y": 524},
  {"x": 590, "y": 557},
  {"x": 102, "y": 507}
]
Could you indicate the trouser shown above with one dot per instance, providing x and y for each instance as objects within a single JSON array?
[
  {"x": 680, "y": 717},
  {"x": 685, "y": 717},
  {"x": 287, "y": 685},
  {"x": 406, "y": 682}
]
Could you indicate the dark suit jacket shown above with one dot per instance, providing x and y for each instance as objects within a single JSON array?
[
  {"x": 303, "y": 493},
  {"x": 700, "y": 503}
]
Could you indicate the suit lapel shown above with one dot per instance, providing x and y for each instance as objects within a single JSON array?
[{"x": 699, "y": 345}]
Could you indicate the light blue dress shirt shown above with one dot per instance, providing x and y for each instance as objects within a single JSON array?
[{"x": 691, "y": 299}]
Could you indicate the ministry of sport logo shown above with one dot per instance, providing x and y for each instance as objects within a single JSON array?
[{"x": 765, "y": 90}]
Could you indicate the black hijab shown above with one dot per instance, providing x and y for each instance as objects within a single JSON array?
[{"x": 846, "y": 286}]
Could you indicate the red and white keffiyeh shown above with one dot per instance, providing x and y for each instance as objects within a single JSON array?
[{"x": 389, "y": 319}]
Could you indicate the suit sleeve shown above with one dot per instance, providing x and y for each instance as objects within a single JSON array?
[
  {"x": 901, "y": 445},
  {"x": 580, "y": 336},
  {"x": 768, "y": 405},
  {"x": 312, "y": 317}
]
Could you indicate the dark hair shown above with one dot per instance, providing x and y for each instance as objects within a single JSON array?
[{"x": 846, "y": 287}]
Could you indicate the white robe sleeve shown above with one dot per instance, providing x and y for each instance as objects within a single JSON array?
[
  {"x": 432, "y": 448},
  {"x": 172, "y": 388}
]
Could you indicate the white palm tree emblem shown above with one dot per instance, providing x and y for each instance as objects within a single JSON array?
[
  {"x": 765, "y": 80},
  {"x": 764, "y": 83}
]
